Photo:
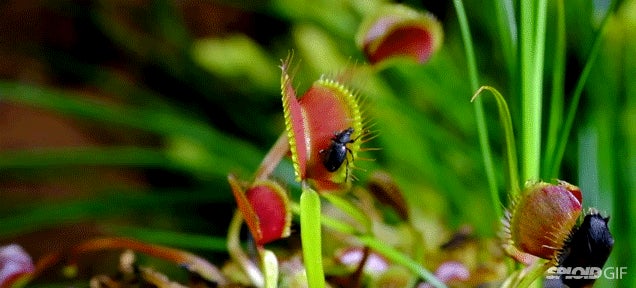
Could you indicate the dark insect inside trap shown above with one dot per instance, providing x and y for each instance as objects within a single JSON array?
[
  {"x": 336, "y": 154},
  {"x": 587, "y": 249}
]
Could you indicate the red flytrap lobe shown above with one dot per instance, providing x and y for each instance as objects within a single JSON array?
[
  {"x": 324, "y": 127},
  {"x": 397, "y": 30},
  {"x": 265, "y": 207}
]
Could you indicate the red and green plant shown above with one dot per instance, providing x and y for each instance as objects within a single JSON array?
[{"x": 374, "y": 177}]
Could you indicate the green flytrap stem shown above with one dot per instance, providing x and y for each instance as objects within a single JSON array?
[
  {"x": 236, "y": 251},
  {"x": 533, "y": 272},
  {"x": 270, "y": 267},
  {"x": 525, "y": 277},
  {"x": 310, "y": 236}
]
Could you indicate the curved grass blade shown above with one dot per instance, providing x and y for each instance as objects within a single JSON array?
[{"x": 511, "y": 151}]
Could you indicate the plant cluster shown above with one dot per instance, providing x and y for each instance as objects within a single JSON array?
[{"x": 319, "y": 212}]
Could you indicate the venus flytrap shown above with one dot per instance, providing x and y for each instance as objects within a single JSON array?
[
  {"x": 324, "y": 134},
  {"x": 526, "y": 208},
  {"x": 398, "y": 31},
  {"x": 542, "y": 222},
  {"x": 324, "y": 129},
  {"x": 265, "y": 207}
]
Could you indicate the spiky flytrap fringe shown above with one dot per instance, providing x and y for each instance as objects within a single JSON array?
[{"x": 291, "y": 122}]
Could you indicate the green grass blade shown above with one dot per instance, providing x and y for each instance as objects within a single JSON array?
[
  {"x": 170, "y": 238},
  {"x": 42, "y": 215},
  {"x": 352, "y": 210},
  {"x": 532, "y": 47},
  {"x": 81, "y": 156},
  {"x": 224, "y": 149},
  {"x": 507, "y": 26},
  {"x": 557, "y": 95},
  {"x": 489, "y": 166},
  {"x": 511, "y": 150},
  {"x": 578, "y": 91}
]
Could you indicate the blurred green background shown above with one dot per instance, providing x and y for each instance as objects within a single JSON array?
[{"x": 125, "y": 117}]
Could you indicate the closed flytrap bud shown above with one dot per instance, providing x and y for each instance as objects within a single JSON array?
[
  {"x": 397, "y": 30},
  {"x": 541, "y": 220},
  {"x": 265, "y": 207},
  {"x": 324, "y": 128},
  {"x": 588, "y": 248},
  {"x": 16, "y": 266}
]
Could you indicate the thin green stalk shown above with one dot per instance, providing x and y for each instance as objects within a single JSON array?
[
  {"x": 236, "y": 251},
  {"x": 576, "y": 95},
  {"x": 310, "y": 236},
  {"x": 556, "y": 98},
  {"x": 511, "y": 150},
  {"x": 533, "y": 272},
  {"x": 351, "y": 210},
  {"x": 270, "y": 267},
  {"x": 334, "y": 224},
  {"x": 489, "y": 166},
  {"x": 468, "y": 44},
  {"x": 273, "y": 157}
]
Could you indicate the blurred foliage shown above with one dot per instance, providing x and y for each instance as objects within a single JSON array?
[{"x": 120, "y": 114}]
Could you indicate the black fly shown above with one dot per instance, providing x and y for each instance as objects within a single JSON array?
[
  {"x": 589, "y": 246},
  {"x": 336, "y": 154}
]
